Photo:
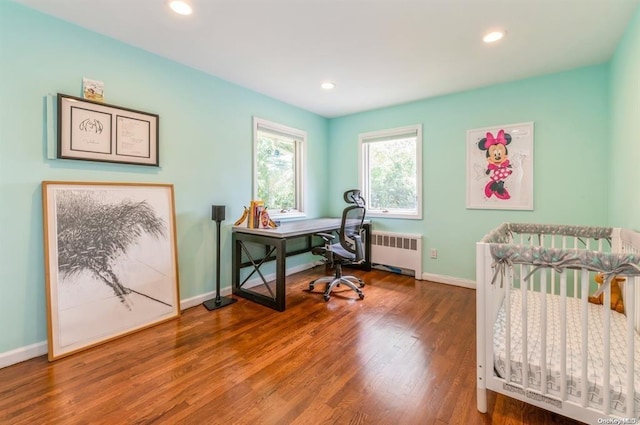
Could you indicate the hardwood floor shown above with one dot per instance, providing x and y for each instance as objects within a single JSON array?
[{"x": 404, "y": 355}]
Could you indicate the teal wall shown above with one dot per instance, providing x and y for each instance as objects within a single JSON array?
[
  {"x": 205, "y": 151},
  {"x": 584, "y": 120},
  {"x": 624, "y": 137},
  {"x": 570, "y": 115}
]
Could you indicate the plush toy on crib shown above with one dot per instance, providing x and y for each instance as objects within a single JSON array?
[{"x": 616, "y": 293}]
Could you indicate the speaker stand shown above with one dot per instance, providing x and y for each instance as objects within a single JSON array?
[{"x": 218, "y": 301}]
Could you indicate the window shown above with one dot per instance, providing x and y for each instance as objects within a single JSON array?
[
  {"x": 391, "y": 172},
  {"x": 277, "y": 168}
]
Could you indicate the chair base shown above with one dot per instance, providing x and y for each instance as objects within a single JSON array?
[{"x": 333, "y": 281}]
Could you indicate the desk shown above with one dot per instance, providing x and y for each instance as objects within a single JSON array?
[{"x": 275, "y": 248}]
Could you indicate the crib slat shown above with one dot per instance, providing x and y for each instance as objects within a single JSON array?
[
  {"x": 507, "y": 308},
  {"x": 563, "y": 336},
  {"x": 564, "y": 246},
  {"x": 553, "y": 275},
  {"x": 543, "y": 330},
  {"x": 584, "y": 280},
  {"x": 575, "y": 272},
  {"x": 636, "y": 283},
  {"x": 606, "y": 373},
  {"x": 630, "y": 307},
  {"x": 525, "y": 348}
]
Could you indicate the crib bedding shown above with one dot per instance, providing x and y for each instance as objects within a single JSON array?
[{"x": 618, "y": 372}]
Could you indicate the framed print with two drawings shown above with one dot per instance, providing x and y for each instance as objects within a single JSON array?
[{"x": 96, "y": 131}]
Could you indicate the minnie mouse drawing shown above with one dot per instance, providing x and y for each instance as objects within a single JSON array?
[{"x": 498, "y": 167}]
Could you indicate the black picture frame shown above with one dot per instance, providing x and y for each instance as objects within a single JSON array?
[{"x": 96, "y": 131}]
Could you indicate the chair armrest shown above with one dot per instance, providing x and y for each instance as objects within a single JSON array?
[
  {"x": 359, "y": 248},
  {"x": 326, "y": 236}
]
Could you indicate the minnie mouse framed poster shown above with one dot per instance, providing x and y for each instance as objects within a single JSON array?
[{"x": 500, "y": 167}]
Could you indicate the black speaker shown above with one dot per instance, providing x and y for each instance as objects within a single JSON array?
[{"x": 217, "y": 212}]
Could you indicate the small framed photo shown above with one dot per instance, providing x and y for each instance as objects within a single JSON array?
[
  {"x": 93, "y": 90},
  {"x": 110, "y": 261},
  {"x": 95, "y": 131}
]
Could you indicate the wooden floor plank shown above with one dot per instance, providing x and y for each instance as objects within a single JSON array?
[{"x": 403, "y": 355}]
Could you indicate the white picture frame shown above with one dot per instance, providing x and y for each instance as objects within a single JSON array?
[{"x": 500, "y": 167}]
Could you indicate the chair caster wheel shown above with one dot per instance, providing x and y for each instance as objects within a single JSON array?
[
  {"x": 361, "y": 296},
  {"x": 326, "y": 297},
  {"x": 311, "y": 286},
  {"x": 361, "y": 284}
]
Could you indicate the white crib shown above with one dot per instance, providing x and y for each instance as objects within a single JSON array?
[{"x": 582, "y": 360}]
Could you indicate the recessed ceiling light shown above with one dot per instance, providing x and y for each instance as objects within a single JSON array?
[
  {"x": 493, "y": 36},
  {"x": 181, "y": 7},
  {"x": 328, "y": 85}
]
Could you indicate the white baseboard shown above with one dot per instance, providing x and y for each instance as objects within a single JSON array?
[
  {"x": 40, "y": 348},
  {"x": 449, "y": 280},
  {"x": 23, "y": 353},
  {"x": 199, "y": 299}
]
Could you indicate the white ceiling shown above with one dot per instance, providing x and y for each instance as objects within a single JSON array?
[{"x": 379, "y": 52}]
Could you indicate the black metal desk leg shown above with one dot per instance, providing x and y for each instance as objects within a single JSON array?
[
  {"x": 235, "y": 263},
  {"x": 281, "y": 274}
]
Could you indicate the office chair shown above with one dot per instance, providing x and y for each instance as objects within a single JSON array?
[{"x": 348, "y": 250}]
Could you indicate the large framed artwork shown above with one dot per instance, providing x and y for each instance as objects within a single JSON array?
[
  {"x": 500, "y": 167},
  {"x": 96, "y": 131},
  {"x": 110, "y": 261}
]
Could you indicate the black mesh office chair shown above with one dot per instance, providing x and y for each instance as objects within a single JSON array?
[{"x": 348, "y": 250}]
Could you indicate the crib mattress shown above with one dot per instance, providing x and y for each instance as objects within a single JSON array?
[{"x": 618, "y": 372}]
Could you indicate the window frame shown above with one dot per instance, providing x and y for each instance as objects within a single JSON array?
[
  {"x": 364, "y": 139},
  {"x": 300, "y": 140}
]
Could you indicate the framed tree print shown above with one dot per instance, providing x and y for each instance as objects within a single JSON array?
[
  {"x": 110, "y": 261},
  {"x": 500, "y": 167}
]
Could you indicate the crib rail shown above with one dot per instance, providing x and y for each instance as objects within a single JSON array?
[
  {"x": 550, "y": 277},
  {"x": 628, "y": 241}
]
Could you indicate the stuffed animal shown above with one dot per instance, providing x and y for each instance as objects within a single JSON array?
[{"x": 616, "y": 293}]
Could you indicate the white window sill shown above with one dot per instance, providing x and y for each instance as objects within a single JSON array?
[
  {"x": 296, "y": 215},
  {"x": 379, "y": 214}
]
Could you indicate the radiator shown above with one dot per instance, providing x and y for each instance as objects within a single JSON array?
[{"x": 397, "y": 251}]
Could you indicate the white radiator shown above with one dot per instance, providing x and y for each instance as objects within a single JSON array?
[{"x": 397, "y": 251}]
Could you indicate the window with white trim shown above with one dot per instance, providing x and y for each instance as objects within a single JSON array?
[
  {"x": 391, "y": 172},
  {"x": 278, "y": 177}
]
